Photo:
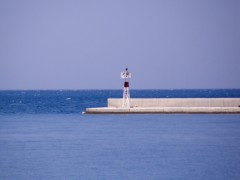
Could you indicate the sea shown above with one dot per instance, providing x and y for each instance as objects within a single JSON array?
[{"x": 44, "y": 135}]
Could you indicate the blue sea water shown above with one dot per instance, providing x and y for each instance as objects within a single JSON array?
[
  {"x": 43, "y": 135},
  {"x": 74, "y": 102}
]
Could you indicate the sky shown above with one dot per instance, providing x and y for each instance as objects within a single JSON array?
[{"x": 85, "y": 44}]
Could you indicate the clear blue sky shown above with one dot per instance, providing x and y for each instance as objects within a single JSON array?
[{"x": 85, "y": 44}]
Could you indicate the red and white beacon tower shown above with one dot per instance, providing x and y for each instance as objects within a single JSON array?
[{"x": 126, "y": 92}]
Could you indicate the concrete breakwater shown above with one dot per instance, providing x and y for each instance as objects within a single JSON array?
[
  {"x": 177, "y": 102},
  {"x": 170, "y": 105}
]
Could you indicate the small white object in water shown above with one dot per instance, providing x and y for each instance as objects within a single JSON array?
[
  {"x": 68, "y": 98},
  {"x": 83, "y": 112}
]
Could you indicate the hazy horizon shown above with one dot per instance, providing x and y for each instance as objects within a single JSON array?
[{"x": 119, "y": 89}]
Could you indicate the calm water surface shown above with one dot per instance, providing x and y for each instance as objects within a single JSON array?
[
  {"x": 73, "y": 146},
  {"x": 43, "y": 135}
]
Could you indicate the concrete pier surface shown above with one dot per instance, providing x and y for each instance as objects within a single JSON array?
[{"x": 170, "y": 106}]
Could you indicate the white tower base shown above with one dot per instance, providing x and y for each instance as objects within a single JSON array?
[{"x": 126, "y": 98}]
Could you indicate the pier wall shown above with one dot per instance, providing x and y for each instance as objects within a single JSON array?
[{"x": 176, "y": 102}]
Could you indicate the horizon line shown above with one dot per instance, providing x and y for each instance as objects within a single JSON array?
[{"x": 118, "y": 89}]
